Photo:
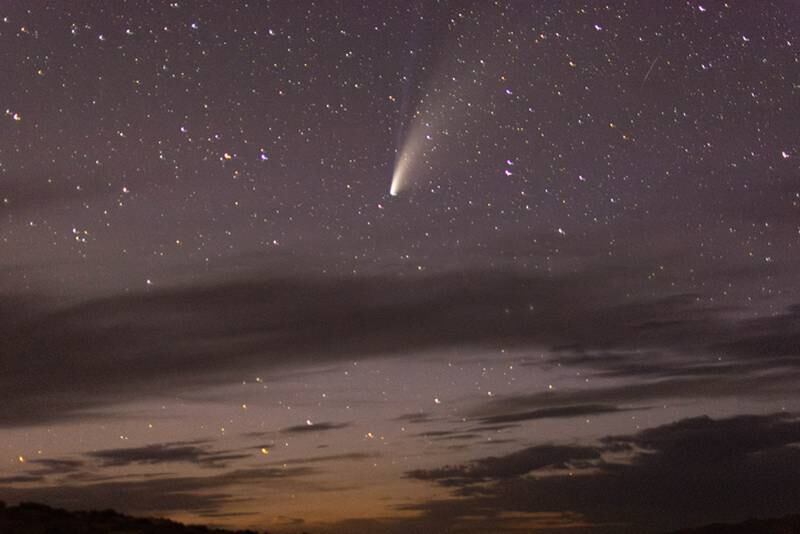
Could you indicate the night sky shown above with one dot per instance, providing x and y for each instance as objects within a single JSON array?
[{"x": 377, "y": 266}]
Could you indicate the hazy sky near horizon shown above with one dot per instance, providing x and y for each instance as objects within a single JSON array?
[{"x": 579, "y": 307}]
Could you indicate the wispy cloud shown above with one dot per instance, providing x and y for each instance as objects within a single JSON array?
[
  {"x": 314, "y": 427},
  {"x": 162, "y": 494},
  {"x": 198, "y": 453},
  {"x": 693, "y": 471}
]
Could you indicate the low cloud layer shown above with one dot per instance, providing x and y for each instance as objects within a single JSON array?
[
  {"x": 198, "y": 453},
  {"x": 694, "y": 471},
  {"x": 64, "y": 360},
  {"x": 159, "y": 494}
]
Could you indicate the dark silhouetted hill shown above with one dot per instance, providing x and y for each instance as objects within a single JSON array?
[
  {"x": 31, "y": 518},
  {"x": 784, "y": 525}
]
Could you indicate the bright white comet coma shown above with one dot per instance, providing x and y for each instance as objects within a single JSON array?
[
  {"x": 402, "y": 166},
  {"x": 399, "y": 175}
]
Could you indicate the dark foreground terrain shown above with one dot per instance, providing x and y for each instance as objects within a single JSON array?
[
  {"x": 31, "y": 518},
  {"x": 784, "y": 525}
]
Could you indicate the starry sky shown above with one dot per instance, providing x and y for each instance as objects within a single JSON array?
[{"x": 377, "y": 266}]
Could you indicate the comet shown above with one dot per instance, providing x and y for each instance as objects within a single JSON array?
[
  {"x": 421, "y": 135},
  {"x": 394, "y": 189},
  {"x": 416, "y": 149},
  {"x": 402, "y": 166},
  {"x": 405, "y": 156}
]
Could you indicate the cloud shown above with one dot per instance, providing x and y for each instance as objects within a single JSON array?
[
  {"x": 558, "y": 412},
  {"x": 21, "y": 479},
  {"x": 41, "y": 468},
  {"x": 693, "y": 471},
  {"x": 716, "y": 360},
  {"x": 776, "y": 336},
  {"x": 316, "y": 427},
  {"x": 771, "y": 385},
  {"x": 439, "y": 433},
  {"x": 451, "y": 436},
  {"x": 510, "y": 466},
  {"x": 350, "y": 457},
  {"x": 68, "y": 360},
  {"x": 161, "y": 495},
  {"x": 416, "y": 417},
  {"x": 179, "y": 452}
]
